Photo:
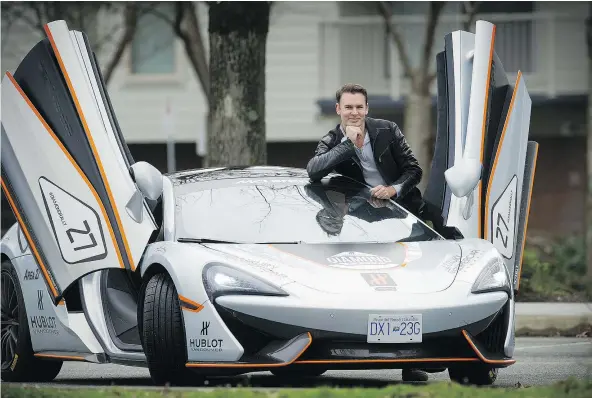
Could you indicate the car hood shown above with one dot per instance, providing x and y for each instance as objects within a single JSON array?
[{"x": 418, "y": 267}]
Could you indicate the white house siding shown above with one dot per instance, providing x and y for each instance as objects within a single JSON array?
[
  {"x": 304, "y": 61},
  {"x": 140, "y": 101},
  {"x": 292, "y": 71}
]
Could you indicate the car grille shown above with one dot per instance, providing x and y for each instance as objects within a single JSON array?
[{"x": 494, "y": 336}]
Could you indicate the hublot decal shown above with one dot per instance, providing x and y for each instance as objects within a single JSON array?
[
  {"x": 44, "y": 324},
  {"x": 214, "y": 345}
]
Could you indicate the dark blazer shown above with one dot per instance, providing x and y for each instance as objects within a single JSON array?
[{"x": 394, "y": 160}]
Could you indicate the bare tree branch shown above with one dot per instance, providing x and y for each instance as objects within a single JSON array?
[
  {"x": 192, "y": 40},
  {"x": 130, "y": 18},
  {"x": 471, "y": 8},
  {"x": 13, "y": 12},
  {"x": 398, "y": 39},
  {"x": 433, "y": 17},
  {"x": 194, "y": 45},
  {"x": 83, "y": 16}
]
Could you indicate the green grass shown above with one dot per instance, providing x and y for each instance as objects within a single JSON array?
[{"x": 570, "y": 388}]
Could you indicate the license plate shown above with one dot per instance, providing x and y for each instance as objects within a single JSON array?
[{"x": 406, "y": 328}]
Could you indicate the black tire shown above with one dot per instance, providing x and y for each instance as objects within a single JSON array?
[
  {"x": 18, "y": 361},
  {"x": 162, "y": 332},
  {"x": 479, "y": 375},
  {"x": 299, "y": 371}
]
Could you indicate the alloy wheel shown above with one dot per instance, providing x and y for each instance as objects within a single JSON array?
[{"x": 10, "y": 319}]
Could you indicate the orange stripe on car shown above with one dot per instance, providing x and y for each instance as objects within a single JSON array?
[
  {"x": 482, "y": 358},
  {"x": 70, "y": 158},
  {"x": 480, "y": 190},
  {"x": 29, "y": 239},
  {"x": 498, "y": 151},
  {"x": 190, "y": 305},
  {"x": 536, "y": 154},
  {"x": 66, "y": 357},
  {"x": 404, "y": 360},
  {"x": 94, "y": 150}
]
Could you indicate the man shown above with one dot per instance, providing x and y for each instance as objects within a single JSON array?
[
  {"x": 369, "y": 150},
  {"x": 373, "y": 151}
]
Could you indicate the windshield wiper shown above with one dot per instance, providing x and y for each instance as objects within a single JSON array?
[
  {"x": 207, "y": 240},
  {"x": 204, "y": 240}
]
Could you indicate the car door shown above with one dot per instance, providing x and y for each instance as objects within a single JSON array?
[
  {"x": 65, "y": 165},
  {"x": 483, "y": 115}
]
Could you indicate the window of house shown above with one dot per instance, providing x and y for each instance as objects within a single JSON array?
[{"x": 153, "y": 46}]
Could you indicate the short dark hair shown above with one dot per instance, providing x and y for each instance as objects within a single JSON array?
[{"x": 351, "y": 88}]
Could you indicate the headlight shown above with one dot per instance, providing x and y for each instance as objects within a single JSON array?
[
  {"x": 220, "y": 279},
  {"x": 492, "y": 278}
]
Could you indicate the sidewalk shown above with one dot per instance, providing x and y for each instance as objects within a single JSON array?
[{"x": 553, "y": 319}]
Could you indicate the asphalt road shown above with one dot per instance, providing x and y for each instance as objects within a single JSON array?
[{"x": 540, "y": 361}]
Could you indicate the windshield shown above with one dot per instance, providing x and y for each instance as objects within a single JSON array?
[{"x": 290, "y": 210}]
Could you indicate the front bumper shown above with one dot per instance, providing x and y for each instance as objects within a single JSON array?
[
  {"x": 284, "y": 317},
  {"x": 268, "y": 344},
  {"x": 303, "y": 351}
]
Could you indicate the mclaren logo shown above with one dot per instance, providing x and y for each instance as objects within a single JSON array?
[
  {"x": 357, "y": 260},
  {"x": 76, "y": 226}
]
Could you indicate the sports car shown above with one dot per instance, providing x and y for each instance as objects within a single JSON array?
[{"x": 231, "y": 270}]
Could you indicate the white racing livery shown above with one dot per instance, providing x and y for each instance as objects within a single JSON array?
[{"x": 241, "y": 269}]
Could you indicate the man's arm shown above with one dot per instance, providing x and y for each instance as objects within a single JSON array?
[
  {"x": 326, "y": 158},
  {"x": 411, "y": 172}
]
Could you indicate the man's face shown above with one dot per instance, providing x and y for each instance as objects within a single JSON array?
[{"x": 352, "y": 108}]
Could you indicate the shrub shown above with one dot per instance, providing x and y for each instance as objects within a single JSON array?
[{"x": 554, "y": 270}]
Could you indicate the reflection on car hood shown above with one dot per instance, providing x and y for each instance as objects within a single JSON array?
[{"x": 415, "y": 267}]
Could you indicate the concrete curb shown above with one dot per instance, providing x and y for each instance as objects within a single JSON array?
[{"x": 554, "y": 319}]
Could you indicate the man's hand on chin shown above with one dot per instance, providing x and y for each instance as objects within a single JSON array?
[
  {"x": 354, "y": 133},
  {"x": 382, "y": 192}
]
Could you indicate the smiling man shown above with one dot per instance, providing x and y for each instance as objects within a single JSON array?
[{"x": 369, "y": 150}]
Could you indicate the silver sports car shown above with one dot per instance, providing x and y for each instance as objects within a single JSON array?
[{"x": 238, "y": 269}]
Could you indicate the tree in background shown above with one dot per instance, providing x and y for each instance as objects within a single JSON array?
[
  {"x": 418, "y": 102},
  {"x": 588, "y": 208},
  {"x": 418, "y": 122},
  {"x": 470, "y": 10},
  {"x": 238, "y": 40},
  {"x": 233, "y": 81},
  {"x": 82, "y": 16}
]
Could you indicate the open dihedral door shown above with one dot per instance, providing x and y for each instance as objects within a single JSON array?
[
  {"x": 484, "y": 165},
  {"x": 65, "y": 165}
]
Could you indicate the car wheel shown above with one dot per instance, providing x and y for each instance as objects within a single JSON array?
[
  {"x": 162, "y": 331},
  {"x": 480, "y": 375},
  {"x": 19, "y": 363},
  {"x": 299, "y": 371}
]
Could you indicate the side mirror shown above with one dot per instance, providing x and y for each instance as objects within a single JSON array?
[
  {"x": 148, "y": 179},
  {"x": 463, "y": 177},
  {"x": 149, "y": 182}
]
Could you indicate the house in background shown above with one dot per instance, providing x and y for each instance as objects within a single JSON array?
[{"x": 315, "y": 47}]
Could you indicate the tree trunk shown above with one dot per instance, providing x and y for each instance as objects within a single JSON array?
[
  {"x": 238, "y": 38},
  {"x": 417, "y": 129}
]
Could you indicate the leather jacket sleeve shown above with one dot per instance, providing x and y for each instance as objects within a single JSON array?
[
  {"x": 411, "y": 172},
  {"x": 326, "y": 158}
]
